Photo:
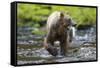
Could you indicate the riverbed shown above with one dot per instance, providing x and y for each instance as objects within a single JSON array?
[{"x": 82, "y": 48}]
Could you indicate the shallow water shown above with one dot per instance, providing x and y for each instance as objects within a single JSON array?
[
  {"x": 83, "y": 48},
  {"x": 40, "y": 55}
]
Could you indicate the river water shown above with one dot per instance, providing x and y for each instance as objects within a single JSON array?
[{"x": 83, "y": 48}]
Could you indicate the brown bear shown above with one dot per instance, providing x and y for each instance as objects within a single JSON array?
[{"x": 58, "y": 29}]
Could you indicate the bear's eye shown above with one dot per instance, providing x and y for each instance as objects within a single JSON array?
[
  {"x": 69, "y": 22},
  {"x": 65, "y": 24}
]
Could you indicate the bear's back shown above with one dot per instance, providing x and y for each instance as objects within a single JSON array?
[{"x": 53, "y": 19}]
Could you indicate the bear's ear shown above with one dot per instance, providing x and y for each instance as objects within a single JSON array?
[{"x": 61, "y": 15}]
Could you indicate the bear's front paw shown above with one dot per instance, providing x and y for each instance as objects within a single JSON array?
[{"x": 52, "y": 50}]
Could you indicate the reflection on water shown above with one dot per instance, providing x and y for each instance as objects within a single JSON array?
[{"x": 30, "y": 48}]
